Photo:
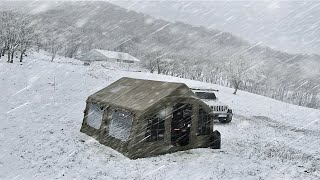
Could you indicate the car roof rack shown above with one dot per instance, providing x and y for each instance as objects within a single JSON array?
[{"x": 204, "y": 89}]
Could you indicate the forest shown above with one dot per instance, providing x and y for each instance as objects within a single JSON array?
[{"x": 170, "y": 48}]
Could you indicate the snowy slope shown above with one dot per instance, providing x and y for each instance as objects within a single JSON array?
[{"x": 41, "y": 111}]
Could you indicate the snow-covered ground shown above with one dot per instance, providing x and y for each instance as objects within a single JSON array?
[{"x": 41, "y": 111}]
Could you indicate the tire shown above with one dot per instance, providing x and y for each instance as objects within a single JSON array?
[
  {"x": 226, "y": 120},
  {"x": 215, "y": 139}
]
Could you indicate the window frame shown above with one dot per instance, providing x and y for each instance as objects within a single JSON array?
[{"x": 155, "y": 127}]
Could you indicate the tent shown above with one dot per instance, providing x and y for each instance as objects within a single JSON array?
[
  {"x": 109, "y": 56},
  {"x": 142, "y": 118}
]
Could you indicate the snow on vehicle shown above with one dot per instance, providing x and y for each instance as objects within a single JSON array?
[{"x": 221, "y": 111}]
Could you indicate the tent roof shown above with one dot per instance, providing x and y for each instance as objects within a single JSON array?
[
  {"x": 139, "y": 94},
  {"x": 117, "y": 55}
]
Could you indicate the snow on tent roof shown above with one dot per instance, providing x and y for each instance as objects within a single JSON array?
[
  {"x": 139, "y": 94},
  {"x": 117, "y": 55}
]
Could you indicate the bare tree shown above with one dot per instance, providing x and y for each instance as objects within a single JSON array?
[
  {"x": 149, "y": 63},
  {"x": 153, "y": 61},
  {"x": 38, "y": 39},
  {"x": 9, "y": 33},
  {"x": 54, "y": 43},
  {"x": 16, "y": 34},
  {"x": 160, "y": 64},
  {"x": 239, "y": 70},
  {"x": 72, "y": 44},
  {"x": 26, "y": 36}
]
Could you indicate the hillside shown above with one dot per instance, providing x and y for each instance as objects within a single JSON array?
[
  {"x": 41, "y": 111},
  {"x": 290, "y": 26},
  {"x": 82, "y": 26},
  {"x": 108, "y": 26}
]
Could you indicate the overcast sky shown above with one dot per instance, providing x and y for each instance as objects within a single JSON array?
[{"x": 292, "y": 26}]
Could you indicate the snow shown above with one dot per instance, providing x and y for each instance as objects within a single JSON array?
[{"x": 41, "y": 111}]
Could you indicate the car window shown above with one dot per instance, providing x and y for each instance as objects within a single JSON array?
[{"x": 206, "y": 95}]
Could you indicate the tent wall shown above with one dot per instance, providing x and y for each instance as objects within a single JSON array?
[
  {"x": 102, "y": 134},
  {"x": 85, "y": 128},
  {"x": 139, "y": 147},
  {"x": 105, "y": 139}
]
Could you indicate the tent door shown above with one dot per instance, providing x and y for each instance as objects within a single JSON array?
[{"x": 181, "y": 124}]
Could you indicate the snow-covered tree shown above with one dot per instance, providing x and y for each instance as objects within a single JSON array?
[
  {"x": 53, "y": 43},
  {"x": 16, "y": 34},
  {"x": 153, "y": 61},
  {"x": 9, "y": 33},
  {"x": 239, "y": 70},
  {"x": 26, "y": 36},
  {"x": 72, "y": 43}
]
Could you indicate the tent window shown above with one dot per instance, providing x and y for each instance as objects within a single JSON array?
[
  {"x": 203, "y": 122},
  {"x": 155, "y": 126},
  {"x": 121, "y": 123},
  {"x": 94, "y": 116}
]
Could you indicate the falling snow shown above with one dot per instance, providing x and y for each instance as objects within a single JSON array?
[{"x": 262, "y": 56}]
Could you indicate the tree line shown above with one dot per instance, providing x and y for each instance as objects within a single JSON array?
[
  {"x": 17, "y": 33},
  {"x": 238, "y": 73},
  {"x": 20, "y": 32}
]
